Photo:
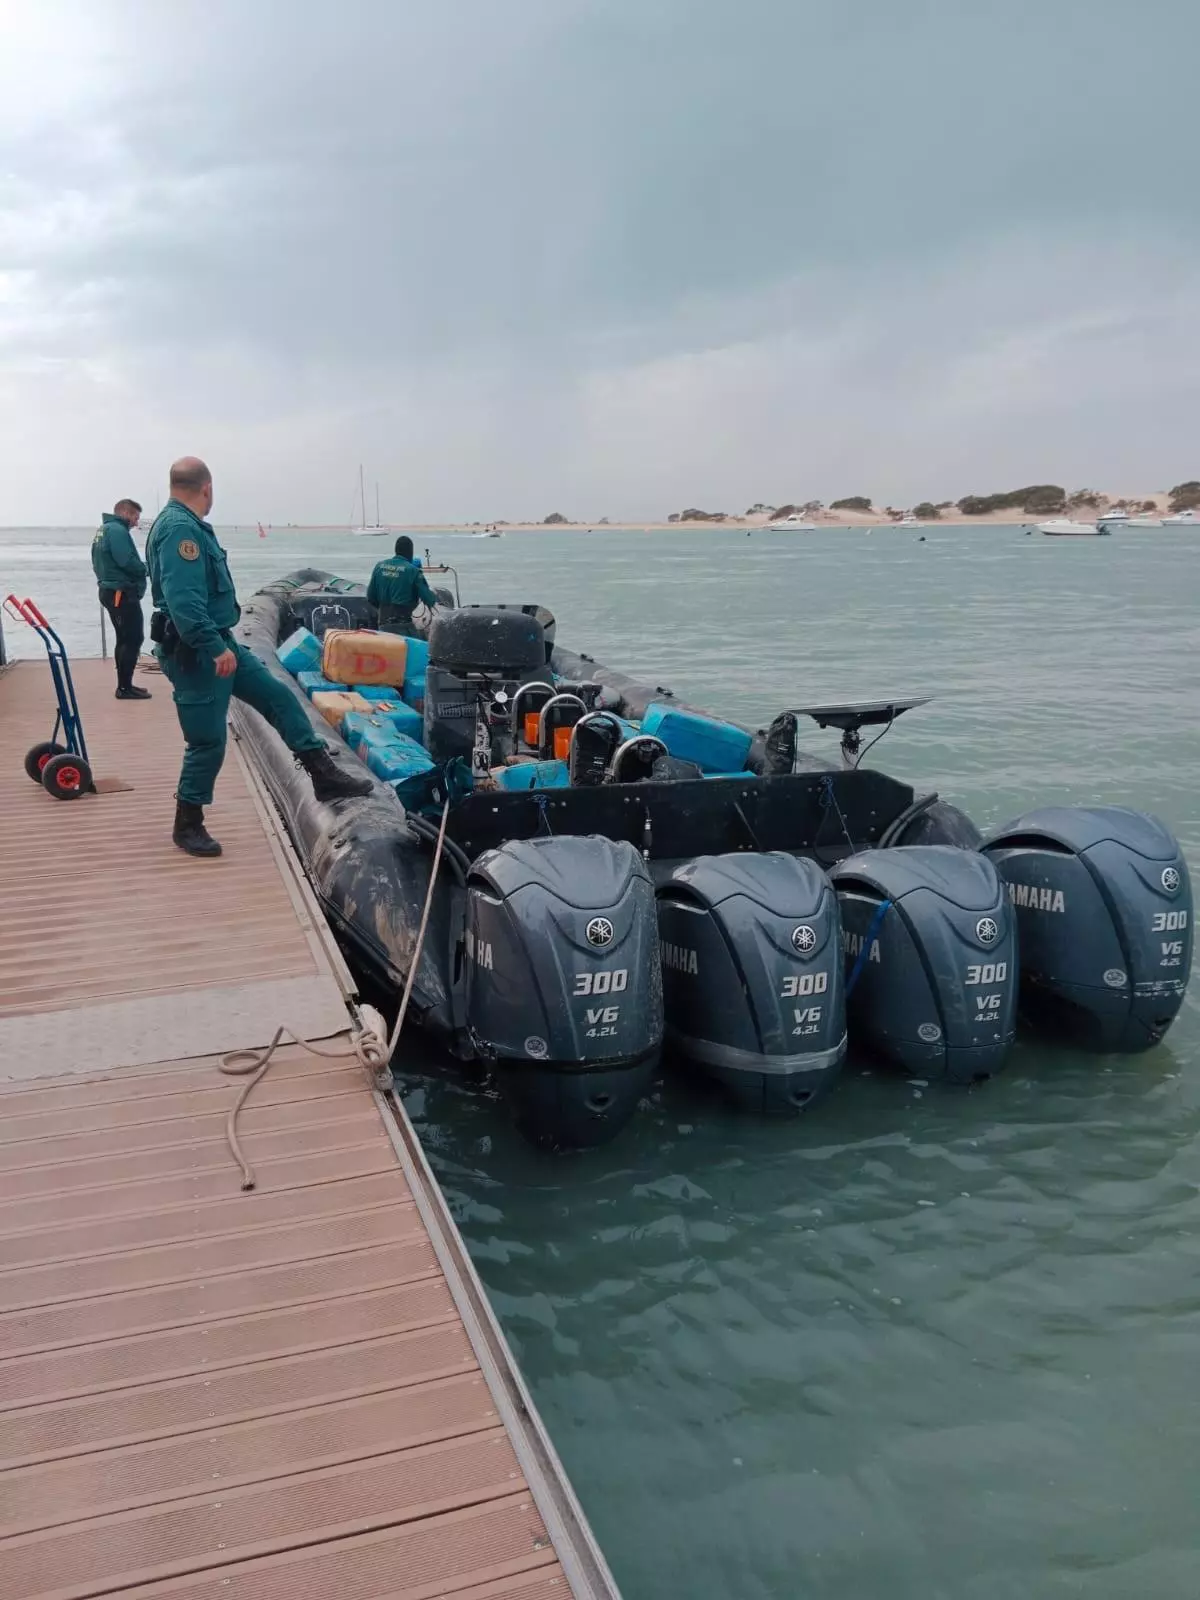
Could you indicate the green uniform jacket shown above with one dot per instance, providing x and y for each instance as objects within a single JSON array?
[
  {"x": 115, "y": 560},
  {"x": 189, "y": 579},
  {"x": 395, "y": 587}
]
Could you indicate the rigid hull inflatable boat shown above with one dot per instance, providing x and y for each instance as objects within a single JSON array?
[{"x": 618, "y": 870}]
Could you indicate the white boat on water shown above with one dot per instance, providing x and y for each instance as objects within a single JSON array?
[
  {"x": 793, "y": 524},
  {"x": 908, "y": 522},
  {"x": 1186, "y": 518},
  {"x": 1063, "y": 526},
  {"x": 368, "y": 530},
  {"x": 1117, "y": 517}
]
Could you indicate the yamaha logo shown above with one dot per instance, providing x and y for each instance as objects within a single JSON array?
[
  {"x": 803, "y": 940},
  {"x": 599, "y": 932},
  {"x": 929, "y": 1033},
  {"x": 1170, "y": 879},
  {"x": 986, "y": 930}
]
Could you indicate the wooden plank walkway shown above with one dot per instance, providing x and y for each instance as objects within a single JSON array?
[{"x": 293, "y": 1392}]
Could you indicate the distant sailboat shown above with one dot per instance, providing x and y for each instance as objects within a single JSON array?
[{"x": 365, "y": 529}]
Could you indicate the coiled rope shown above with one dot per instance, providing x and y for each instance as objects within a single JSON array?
[{"x": 365, "y": 1044}]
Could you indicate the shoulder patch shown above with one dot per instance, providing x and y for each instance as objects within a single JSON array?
[{"x": 189, "y": 549}]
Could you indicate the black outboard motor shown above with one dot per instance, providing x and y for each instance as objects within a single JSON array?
[
  {"x": 470, "y": 650},
  {"x": 564, "y": 990},
  {"x": 931, "y": 959},
  {"x": 752, "y": 975},
  {"x": 1104, "y": 905}
]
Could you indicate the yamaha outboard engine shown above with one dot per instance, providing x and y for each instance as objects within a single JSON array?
[
  {"x": 1104, "y": 906},
  {"x": 752, "y": 975},
  {"x": 931, "y": 959},
  {"x": 564, "y": 991}
]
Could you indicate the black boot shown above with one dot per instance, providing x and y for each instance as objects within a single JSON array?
[
  {"x": 328, "y": 780},
  {"x": 130, "y": 691},
  {"x": 190, "y": 833}
]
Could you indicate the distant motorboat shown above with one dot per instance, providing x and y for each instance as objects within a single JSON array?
[
  {"x": 1184, "y": 517},
  {"x": 793, "y": 524},
  {"x": 1063, "y": 526},
  {"x": 1118, "y": 517},
  {"x": 909, "y": 522}
]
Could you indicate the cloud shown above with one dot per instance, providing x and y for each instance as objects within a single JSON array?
[{"x": 606, "y": 255}]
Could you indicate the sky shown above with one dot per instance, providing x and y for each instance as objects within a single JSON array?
[{"x": 602, "y": 257}]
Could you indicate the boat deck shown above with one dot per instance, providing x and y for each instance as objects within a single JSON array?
[{"x": 293, "y": 1391}]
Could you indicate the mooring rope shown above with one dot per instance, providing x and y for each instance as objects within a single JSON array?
[{"x": 364, "y": 1044}]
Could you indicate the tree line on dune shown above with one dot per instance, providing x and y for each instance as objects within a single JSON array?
[{"x": 1034, "y": 500}]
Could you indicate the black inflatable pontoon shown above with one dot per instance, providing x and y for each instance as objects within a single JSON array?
[{"x": 608, "y": 885}]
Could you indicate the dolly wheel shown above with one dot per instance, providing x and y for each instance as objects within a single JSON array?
[
  {"x": 37, "y": 758},
  {"x": 66, "y": 777}
]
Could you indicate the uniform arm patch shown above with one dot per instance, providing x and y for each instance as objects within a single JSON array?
[{"x": 189, "y": 549}]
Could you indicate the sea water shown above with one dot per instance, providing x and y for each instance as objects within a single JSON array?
[{"x": 927, "y": 1343}]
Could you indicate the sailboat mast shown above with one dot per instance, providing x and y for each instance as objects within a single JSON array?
[
  {"x": 362, "y": 498},
  {"x": 378, "y": 524}
]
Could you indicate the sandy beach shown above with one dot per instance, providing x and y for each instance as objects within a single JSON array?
[{"x": 875, "y": 518}]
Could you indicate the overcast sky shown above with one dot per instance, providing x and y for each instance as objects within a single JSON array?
[{"x": 608, "y": 257}]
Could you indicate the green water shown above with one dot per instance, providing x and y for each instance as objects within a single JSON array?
[{"x": 926, "y": 1344}]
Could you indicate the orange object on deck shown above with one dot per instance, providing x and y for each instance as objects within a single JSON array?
[
  {"x": 562, "y": 743},
  {"x": 356, "y": 656},
  {"x": 333, "y": 704},
  {"x": 531, "y": 728}
]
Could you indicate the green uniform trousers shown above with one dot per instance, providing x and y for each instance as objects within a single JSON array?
[
  {"x": 400, "y": 625},
  {"x": 202, "y": 706}
]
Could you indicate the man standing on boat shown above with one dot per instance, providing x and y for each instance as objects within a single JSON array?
[
  {"x": 196, "y": 611},
  {"x": 121, "y": 575},
  {"x": 396, "y": 585}
]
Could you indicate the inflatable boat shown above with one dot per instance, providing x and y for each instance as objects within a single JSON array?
[{"x": 608, "y": 871}]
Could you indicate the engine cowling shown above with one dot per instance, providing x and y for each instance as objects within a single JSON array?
[
  {"x": 752, "y": 975},
  {"x": 1103, "y": 901},
  {"x": 563, "y": 991},
  {"x": 931, "y": 959}
]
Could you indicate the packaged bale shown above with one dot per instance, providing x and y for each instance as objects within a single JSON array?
[
  {"x": 357, "y": 656},
  {"x": 301, "y": 652},
  {"x": 333, "y": 705}
]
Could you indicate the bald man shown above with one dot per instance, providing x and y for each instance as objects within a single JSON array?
[{"x": 195, "y": 599}]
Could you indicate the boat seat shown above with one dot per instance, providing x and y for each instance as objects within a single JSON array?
[
  {"x": 634, "y": 760},
  {"x": 556, "y": 719},
  {"x": 527, "y": 704}
]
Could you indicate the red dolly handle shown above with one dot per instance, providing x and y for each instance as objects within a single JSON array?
[
  {"x": 16, "y": 608},
  {"x": 37, "y": 615}
]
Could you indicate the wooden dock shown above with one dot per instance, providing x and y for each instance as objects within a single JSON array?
[{"x": 299, "y": 1391}]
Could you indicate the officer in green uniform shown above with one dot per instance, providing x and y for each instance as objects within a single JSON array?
[
  {"x": 396, "y": 585},
  {"x": 121, "y": 576},
  {"x": 196, "y": 610}
]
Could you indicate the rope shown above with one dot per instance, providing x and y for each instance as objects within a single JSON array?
[
  {"x": 419, "y": 945},
  {"x": 864, "y": 953},
  {"x": 365, "y": 1044},
  {"x": 828, "y": 797}
]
